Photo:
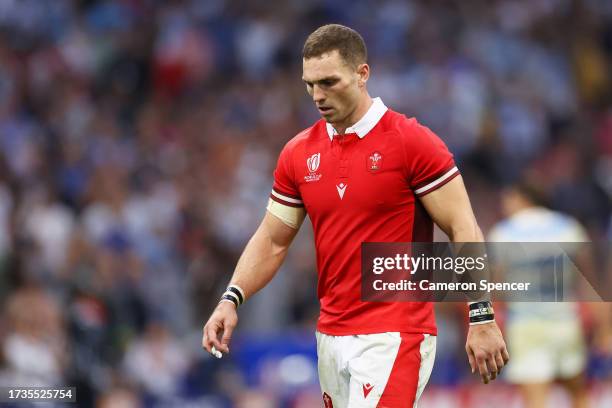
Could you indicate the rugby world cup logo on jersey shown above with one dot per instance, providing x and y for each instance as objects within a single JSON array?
[
  {"x": 313, "y": 163},
  {"x": 374, "y": 161}
]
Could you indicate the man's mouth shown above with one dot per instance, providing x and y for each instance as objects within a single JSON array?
[{"x": 324, "y": 109}]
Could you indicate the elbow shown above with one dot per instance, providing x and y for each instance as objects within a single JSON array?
[{"x": 279, "y": 249}]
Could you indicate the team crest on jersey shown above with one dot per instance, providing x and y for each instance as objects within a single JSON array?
[
  {"x": 313, "y": 163},
  {"x": 374, "y": 161},
  {"x": 327, "y": 401}
]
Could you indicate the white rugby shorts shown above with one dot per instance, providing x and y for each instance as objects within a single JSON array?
[
  {"x": 386, "y": 370},
  {"x": 543, "y": 351}
]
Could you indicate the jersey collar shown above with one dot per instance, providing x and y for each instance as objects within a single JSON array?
[{"x": 366, "y": 123}]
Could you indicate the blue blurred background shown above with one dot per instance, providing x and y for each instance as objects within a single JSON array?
[{"x": 137, "y": 143}]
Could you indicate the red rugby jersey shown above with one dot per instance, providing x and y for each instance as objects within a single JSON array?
[{"x": 363, "y": 187}]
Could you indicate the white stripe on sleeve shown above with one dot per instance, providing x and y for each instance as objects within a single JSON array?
[
  {"x": 285, "y": 198},
  {"x": 436, "y": 182}
]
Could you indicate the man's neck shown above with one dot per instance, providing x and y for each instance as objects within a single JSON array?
[
  {"x": 521, "y": 207},
  {"x": 359, "y": 112}
]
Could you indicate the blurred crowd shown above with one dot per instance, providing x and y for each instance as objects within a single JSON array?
[{"x": 138, "y": 139}]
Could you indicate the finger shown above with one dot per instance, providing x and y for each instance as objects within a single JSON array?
[
  {"x": 471, "y": 359},
  {"x": 500, "y": 362},
  {"x": 485, "y": 378},
  {"x": 227, "y": 337},
  {"x": 205, "y": 341},
  {"x": 492, "y": 365},
  {"x": 493, "y": 368},
  {"x": 482, "y": 368},
  {"x": 206, "y": 338},
  {"x": 207, "y": 344},
  {"x": 505, "y": 355},
  {"x": 213, "y": 337}
]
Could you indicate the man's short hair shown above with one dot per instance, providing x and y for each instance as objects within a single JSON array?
[
  {"x": 532, "y": 192},
  {"x": 332, "y": 37}
]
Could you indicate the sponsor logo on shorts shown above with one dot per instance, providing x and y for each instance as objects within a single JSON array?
[
  {"x": 327, "y": 401},
  {"x": 366, "y": 389}
]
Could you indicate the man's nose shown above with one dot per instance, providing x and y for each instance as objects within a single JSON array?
[{"x": 317, "y": 94}]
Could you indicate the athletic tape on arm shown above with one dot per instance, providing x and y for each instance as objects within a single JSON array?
[{"x": 291, "y": 216}]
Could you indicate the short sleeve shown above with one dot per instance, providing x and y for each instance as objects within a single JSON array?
[
  {"x": 284, "y": 190},
  {"x": 429, "y": 163}
]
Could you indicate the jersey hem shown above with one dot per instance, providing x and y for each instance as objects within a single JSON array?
[{"x": 373, "y": 330}]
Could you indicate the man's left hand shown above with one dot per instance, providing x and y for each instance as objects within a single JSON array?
[{"x": 486, "y": 350}]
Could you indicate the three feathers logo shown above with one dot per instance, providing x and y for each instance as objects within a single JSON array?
[{"x": 374, "y": 162}]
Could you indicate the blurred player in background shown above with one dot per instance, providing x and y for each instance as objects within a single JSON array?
[
  {"x": 361, "y": 173},
  {"x": 546, "y": 339}
]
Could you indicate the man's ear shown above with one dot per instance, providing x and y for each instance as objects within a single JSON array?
[{"x": 363, "y": 71}]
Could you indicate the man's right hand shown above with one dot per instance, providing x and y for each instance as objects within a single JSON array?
[{"x": 218, "y": 330}]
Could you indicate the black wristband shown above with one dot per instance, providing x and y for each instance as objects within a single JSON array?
[
  {"x": 235, "y": 291},
  {"x": 481, "y": 312},
  {"x": 231, "y": 298}
]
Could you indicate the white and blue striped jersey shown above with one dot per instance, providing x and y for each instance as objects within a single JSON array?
[{"x": 539, "y": 224}]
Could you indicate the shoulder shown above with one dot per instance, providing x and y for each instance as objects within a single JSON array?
[
  {"x": 553, "y": 220},
  {"x": 540, "y": 223},
  {"x": 309, "y": 135},
  {"x": 408, "y": 129},
  {"x": 569, "y": 227},
  {"x": 397, "y": 121},
  {"x": 417, "y": 140}
]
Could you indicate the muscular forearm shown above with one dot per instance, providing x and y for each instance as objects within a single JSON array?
[
  {"x": 262, "y": 256},
  {"x": 465, "y": 231}
]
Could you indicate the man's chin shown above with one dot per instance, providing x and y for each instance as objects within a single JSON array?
[{"x": 329, "y": 117}]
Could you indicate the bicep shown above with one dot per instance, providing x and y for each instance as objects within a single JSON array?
[
  {"x": 450, "y": 208},
  {"x": 277, "y": 230}
]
